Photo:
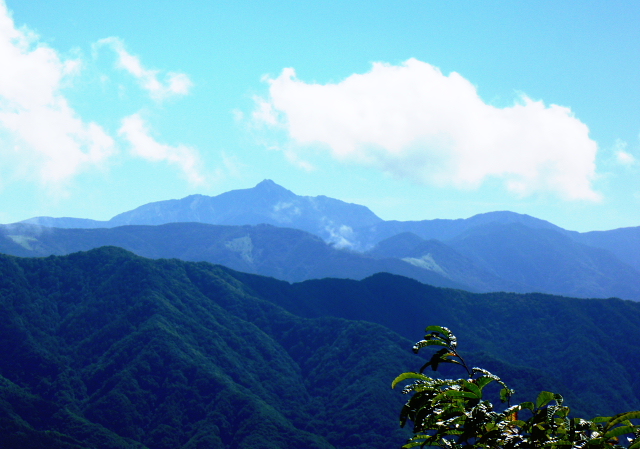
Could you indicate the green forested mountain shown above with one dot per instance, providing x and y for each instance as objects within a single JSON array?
[
  {"x": 107, "y": 349},
  {"x": 585, "y": 346}
]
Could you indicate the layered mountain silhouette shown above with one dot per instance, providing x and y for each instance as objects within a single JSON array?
[
  {"x": 107, "y": 349},
  {"x": 496, "y": 251},
  {"x": 266, "y": 203},
  {"x": 531, "y": 259},
  {"x": 284, "y": 253}
]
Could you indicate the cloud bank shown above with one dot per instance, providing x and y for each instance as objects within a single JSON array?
[
  {"x": 174, "y": 84},
  {"x": 37, "y": 122},
  {"x": 414, "y": 122},
  {"x": 43, "y": 138},
  {"x": 137, "y": 133}
]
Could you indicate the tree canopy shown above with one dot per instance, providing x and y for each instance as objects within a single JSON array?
[{"x": 452, "y": 413}]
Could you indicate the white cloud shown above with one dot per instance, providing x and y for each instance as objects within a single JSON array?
[
  {"x": 413, "y": 121},
  {"x": 43, "y": 138},
  {"x": 136, "y": 132},
  {"x": 264, "y": 112},
  {"x": 174, "y": 83},
  {"x": 46, "y": 135},
  {"x": 340, "y": 236},
  {"x": 622, "y": 155}
]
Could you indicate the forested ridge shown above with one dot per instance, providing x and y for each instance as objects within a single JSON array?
[{"x": 107, "y": 349}]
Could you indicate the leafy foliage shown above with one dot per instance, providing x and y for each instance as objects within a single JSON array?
[{"x": 452, "y": 413}]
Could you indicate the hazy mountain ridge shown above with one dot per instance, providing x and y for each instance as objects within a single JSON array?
[
  {"x": 623, "y": 242},
  {"x": 548, "y": 261},
  {"x": 267, "y": 203},
  {"x": 107, "y": 349},
  {"x": 447, "y": 229},
  {"x": 289, "y": 254},
  {"x": 518, "y": 258},
  {"x": 594, "y": 264},
  {"x": 435, "y": 255}
]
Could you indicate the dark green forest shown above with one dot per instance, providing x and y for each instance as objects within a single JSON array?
[{"x": 105, "y": 349}]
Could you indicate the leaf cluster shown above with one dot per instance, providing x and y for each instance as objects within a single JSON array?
[{"x": 452, "y": 413}]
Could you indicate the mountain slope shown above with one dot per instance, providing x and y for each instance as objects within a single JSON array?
[
  {"x": 104, "y": 348},
  {"x": 548, "y": 261},
  {"x": 165, "y": 354},
  {"x": 445, "y": 229},
  {"x": 588, "y": 347},
  {"x": 623, "y": 242},
  {"x": 596, "y": 264},
  {"x": 267, "y": 202},
  {"x": 287, "y": 254},
  {"x": 437, "y": 256},
  {"x": 493, "y": 257}
]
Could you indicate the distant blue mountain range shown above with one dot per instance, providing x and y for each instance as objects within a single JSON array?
[{"x": 496, "y": 251}]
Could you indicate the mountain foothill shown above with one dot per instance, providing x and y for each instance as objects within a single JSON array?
[{"x": 260, "y": 318}]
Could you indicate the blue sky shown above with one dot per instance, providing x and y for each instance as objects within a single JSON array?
[{"x": 416, "y": 109}]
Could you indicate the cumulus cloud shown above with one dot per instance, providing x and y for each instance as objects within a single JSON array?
[
  {"x": 413, "y": 121},
  {"x": 43, "y": 138},
  {"x": 136, "y": 132},
  {"x": 173, "y": 84},
  {"x": 36, "y": 121}
]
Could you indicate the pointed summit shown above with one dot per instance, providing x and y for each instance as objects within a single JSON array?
[{"x": 268, "y": 185}]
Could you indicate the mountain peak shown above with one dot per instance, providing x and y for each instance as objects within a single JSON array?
[
  {"x": 265, "y": 183},
  {"x": 269, "y": 189},
  {"x": 508, "y": 217},
  {"x": 268, "y": 184}
]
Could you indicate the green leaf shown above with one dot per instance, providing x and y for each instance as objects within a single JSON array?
[
  {"x": 443, "y": 330},
  {"x": 436, "y": 359},
  {"x": 443, "y": 408},
  {"x": 620, "y": 431},
  {"x": 483, "y": 381},
  {"x": 410, "y": 375},
  {"x": 558, "y": 398},
  {"x": 622, "y": 417},
  {"x": 505, "y": 394},
  {"x": 418, "y": 440},
  {"x": 558, "y": 443},
  {"x": 435, "y": 343},
  {"x": 422, "y": 343},
  {"x": 472, "y": 387},
  {"x": 461, "y": 394},
  {"x": 544, "y": 398}
]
